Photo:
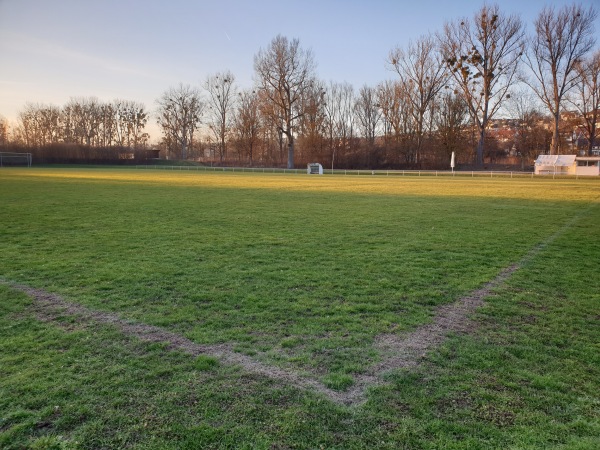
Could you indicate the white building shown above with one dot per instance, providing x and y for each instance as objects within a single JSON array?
[{"x": 567, "y": 165}]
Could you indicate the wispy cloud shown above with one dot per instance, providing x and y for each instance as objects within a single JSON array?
[{"x": 31, "y": 46}]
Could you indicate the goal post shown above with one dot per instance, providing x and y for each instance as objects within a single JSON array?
[{"x": 15, "y": 159}]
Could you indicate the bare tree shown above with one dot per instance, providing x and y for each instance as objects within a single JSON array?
[
  {"x": 483, "y": 55},
  {"x": 84, "y": 119},
  {"x": 67, "y": 124},
  {"x": 388, "y": 101},
  {"x": 450, "y": 119},
  {"x": 311, "y": 123},
  {"x": 39, "y": 124},
  {"x": 397, "y": 120},
  {"x": 284, "y": 71},
  {"x": 221, "y": 101},
  {"x": 422, "y": 76},
  {"x": 531, "y": 134},
  {"x": 86, "y": 116},
  {"x": 3, "y": 131},
  {"x": 108, "y": 124},
  {"x": 179, "y": 113},
  {"x": 339, "y": 117},
  {"x": 272, "y": 132},
  {"x": 561, "y": 40},
  {"x": 49, "y": 121},
  {"x": 130, "y": 118},
  {"x": 247, "y": 124},
  {"x": 368, "y": 113},
  {"x": 28, "y": 126},
  {"x": 586, "y": 97}
]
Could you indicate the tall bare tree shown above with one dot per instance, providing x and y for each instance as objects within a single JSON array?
[
  {"x": 247, "y": 124},
  {"x": 3, "y": 131},
  {"x": 450, "y": 119},
  {"x": 84, "y": 121},
  {"x": 136, "y": 124},
  {"x": 272, "y": 133},
  {"x": 396, "y": 110},
  {"x": 422, "y": 76},
  {"x": 562, "y": 38},
  {"x": 483, "y": 55},
  {"x": 388, "y": 101},
  {"x": 368, "y": 113},
  {"x": 49, "y": 116},
  {"x": 586, "y": 97},
  {"x": 86, "y": 117},
  {"x": 67, "y": 124},
  {"x": 397, "y": 120},
  {"x": 179, "y": 113},
  {"x": 108, "y": 124},
  {"x": 311, "y": 124},
  {"x": 28, "y": 129},
  {"x": 531, "y": 133},
  {"x": 339, "y": 118},
  {"x": 39, "y": 124},
  {"x": 130, "y": 119},
  {"x": 284, "y": 72},
  {"x": 221, "y": 101}
]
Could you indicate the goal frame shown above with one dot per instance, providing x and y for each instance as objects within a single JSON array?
[{"x": 11, "y": 156}]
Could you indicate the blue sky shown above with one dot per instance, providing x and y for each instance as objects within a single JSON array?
[{"x": 133, "y": 49}]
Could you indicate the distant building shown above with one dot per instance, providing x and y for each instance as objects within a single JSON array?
[
  {"x": 567, "y": 165},
  {"x": 128, "y": 153},
  {"x": 581, "y": 142},
  {"x": 588, "y": 165}
]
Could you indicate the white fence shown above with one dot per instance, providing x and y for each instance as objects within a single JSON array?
[{"x": 362, "y": 172}]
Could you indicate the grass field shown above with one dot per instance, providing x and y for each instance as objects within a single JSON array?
[{"x": 302, "y": 274}]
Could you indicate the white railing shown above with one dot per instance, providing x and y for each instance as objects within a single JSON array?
[
  {"x": 363, "y": 172},
  {"x": 223, "y": 169}
]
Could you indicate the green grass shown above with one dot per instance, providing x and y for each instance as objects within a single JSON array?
[{"x": 300, "y": 272}]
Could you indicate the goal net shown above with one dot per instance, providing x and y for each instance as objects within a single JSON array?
[{"x": 15, "y": 159}]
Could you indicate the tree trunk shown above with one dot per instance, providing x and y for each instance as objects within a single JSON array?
[
  {"x": 290, "y": 162},
  {"x": 332, "y": 159},
  {"x": 554, "y": 146},
  {"x": 480, "y": 146}
]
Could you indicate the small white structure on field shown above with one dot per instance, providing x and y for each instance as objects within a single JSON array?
[
  {"x": 314, "y": 169},
  {"x": 567, "y": 165},
  {"x": 588, "y": 165},
  {"x": 555, "y": 164}
]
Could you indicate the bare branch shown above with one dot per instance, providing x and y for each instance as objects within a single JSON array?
[
  {"x": 562, "y": 39},
  {"x": 284, "y": 72},
  {"x": 483, "y": 56}
]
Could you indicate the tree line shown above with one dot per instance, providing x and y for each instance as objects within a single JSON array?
[{"x": 447, "y": 91}]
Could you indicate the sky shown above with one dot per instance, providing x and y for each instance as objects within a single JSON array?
[{"x": 52, "y": 50}]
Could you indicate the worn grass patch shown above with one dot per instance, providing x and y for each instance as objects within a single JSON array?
[{"x": 303, "y": 273}]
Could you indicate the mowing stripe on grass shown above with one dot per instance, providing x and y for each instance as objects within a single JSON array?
[
  {"x": 50, "y": 307},
  {"x": 405, "y": 351},
  {"x": 397, "y": 352}
]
